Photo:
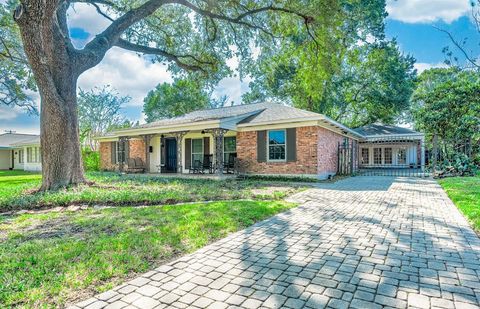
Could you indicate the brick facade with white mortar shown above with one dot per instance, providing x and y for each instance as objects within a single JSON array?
[
  {"x": 316, "y": 153},
  {"x": 136, "y": 149}
]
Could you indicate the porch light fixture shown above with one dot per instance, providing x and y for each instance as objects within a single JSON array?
[{"x": 203, "y": 131}]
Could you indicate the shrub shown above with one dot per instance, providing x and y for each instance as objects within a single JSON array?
[
  {"x": 91, "y": 159},
  {"x": 460, "y": 165}
]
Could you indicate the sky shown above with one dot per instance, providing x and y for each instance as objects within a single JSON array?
[{"x": 411, "y": 22}]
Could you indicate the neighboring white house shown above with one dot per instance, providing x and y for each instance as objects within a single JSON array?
[{"x": 20, "y": 152}]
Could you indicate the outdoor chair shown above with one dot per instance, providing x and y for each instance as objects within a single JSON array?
[
  {"x": 229, "y": 166},
  {"x": 196, "y": 167},
  {"x": 207, "y": 163},
  {"x": 135, "y": 165}
]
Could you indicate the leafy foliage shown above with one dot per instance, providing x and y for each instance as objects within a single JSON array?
[
  {"x": 446, "y": 103},
  {"x": 16, "y": 79},
  {"x": 91, "y": 160},
  {"x": 362, "y": 80},
  {"x": 98, "y": 112},
  {"x": 180, "y": 97}
]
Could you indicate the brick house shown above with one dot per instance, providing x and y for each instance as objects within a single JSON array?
[{"x": 264, "y": 138}]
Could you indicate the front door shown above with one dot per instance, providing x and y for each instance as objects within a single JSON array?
[{"x": 171, "y": 162}]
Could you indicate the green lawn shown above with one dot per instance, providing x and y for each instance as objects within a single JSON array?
[
  {"x": 17, "y": 191},
  {"x": 465, "y": 193},
  {"x": 52, "y": 258}
]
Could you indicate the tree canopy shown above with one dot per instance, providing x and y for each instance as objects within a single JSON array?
[
  {"x": 365, "y": 79},
  {"x": 180, "y": 97},
  {"x": 99, "y": 111},
  {"x": 16, "y": 78},
  {"x": 446, "y": 103}
]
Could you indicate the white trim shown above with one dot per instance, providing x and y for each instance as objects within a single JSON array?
[{"x": 268, "y": 146}]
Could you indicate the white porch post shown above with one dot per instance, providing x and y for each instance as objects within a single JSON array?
[{"x": 422, "y": 153}]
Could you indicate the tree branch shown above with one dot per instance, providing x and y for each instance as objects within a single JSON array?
[
  {"x": 160, "y": 52},
  {"x": 460, "y": 47}
]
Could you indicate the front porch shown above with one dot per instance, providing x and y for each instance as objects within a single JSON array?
[{"x": 208, "y": 153}]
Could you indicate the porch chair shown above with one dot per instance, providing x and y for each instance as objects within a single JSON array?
[
  {"x": 135, "y": 165},
  {"x": 207, "y": 163},
  {"x": 196, "y": 167},
  {"x": 229, "y": 166}
]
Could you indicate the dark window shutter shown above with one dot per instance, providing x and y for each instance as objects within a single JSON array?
[
  {"x": 126, "y": 146},
  {"x": 188, "y": 152},
  {"x": 206, "y": 145},
  {"x": 113, "y": 149},
  {"x": 291, "y": 145},
  {"x": 262, "y": 146}
]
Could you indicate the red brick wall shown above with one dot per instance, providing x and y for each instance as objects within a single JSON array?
[
  {"x": 306, "y": 162},
  {"x": 106, "y": 157},
  {"x": 136, "y": 150},
  {"x": 317, "y": 153},
  {"x": 328, "y": 151}
]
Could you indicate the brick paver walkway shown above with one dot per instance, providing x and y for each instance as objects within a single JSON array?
[{"x": 363, "y": 242}]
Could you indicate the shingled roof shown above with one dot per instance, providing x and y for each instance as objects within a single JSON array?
[
  {"x": 262, "y": 112},
  {"x": 8, "y": 140},
  {"x": 380, "y": 129}
]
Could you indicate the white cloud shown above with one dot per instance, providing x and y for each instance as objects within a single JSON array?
[
  {"x": 8, "y": 112},
  {"x": 128, "y": 73},
  {"x": 427, "y": 11},
  {"x": 86, "y": 17},
  {"x": 422, "y": 66}
]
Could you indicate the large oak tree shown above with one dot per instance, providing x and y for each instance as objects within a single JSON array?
[{"x": 195, "y": 35}]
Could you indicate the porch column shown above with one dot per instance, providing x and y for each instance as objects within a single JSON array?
[
  {"x": 422, "y": 153},
  {"x": 218, "y": 135},
  {"x": 147, "y": 138},
  {"x": 179, "y": 137}
]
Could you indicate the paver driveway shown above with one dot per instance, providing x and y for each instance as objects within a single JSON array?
[{"x": 363, "y": 242}]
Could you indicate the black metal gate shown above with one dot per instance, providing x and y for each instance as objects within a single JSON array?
[
  {"x": 347, "y": 158},
  {"x": 385, "y": 156}
]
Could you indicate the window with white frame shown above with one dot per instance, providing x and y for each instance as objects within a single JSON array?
[
  {"x": 365, "y": 156},
  {"x": 20, "y": 156},
  {"x": 402, "y": 156},
  {"x": 229, "y": 147},
  {"x": 197, "y": 150},
  {"x": 120, "y": 152},
  {"x": 276, "y": 145},
  {"x": 29, "y": 154},
  {"x": 33, "y": 155},
  {"x": 388, "y": 155},
  {"x": 377, "y": 155}
]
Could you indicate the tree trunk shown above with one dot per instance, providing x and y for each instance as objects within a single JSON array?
[
  {"x": 60, "y": 142},
  {"x": 44, "y": 31}
]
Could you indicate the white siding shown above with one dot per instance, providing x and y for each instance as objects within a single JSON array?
[
  {"x": 5, "y": 159},
  {"x": 155, "y": 155}
]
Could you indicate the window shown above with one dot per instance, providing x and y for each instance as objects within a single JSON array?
[
  {"x": 365, "y": 155},
  {"x": 388, "y": 155},
  {"x": 402, "y": 156},
  {"x": 120, "y": 156},
  {"x": 29, "y": 155},
  {"x": 229, "y": 147},
  {"x": 20, "y": 156},
  {"x": 197, "y": 150},
  {"x": 377, "y": 155},
  {"x": 276, "y": 145}
]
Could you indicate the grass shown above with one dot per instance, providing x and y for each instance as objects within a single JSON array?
[
  {"x": 49, "y": 259},
  {"x": 113, "y": 189},
  {"x": 465, "y": 193}
]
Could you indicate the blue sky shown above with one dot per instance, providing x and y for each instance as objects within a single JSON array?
[{"x": 410, "y": 22}]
